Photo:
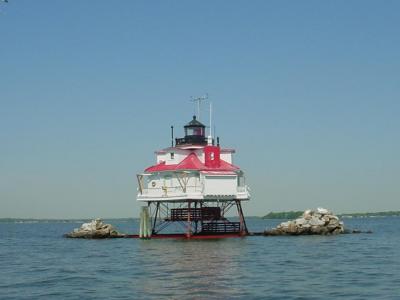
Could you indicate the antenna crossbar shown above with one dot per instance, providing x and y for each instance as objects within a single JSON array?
[{"x": 198, "y": 100}]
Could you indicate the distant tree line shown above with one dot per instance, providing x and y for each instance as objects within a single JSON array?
[
  {"x": 296, "y": 214},
  {"x": 373, "y": 214},
  {"x": 283, "y": 215}
]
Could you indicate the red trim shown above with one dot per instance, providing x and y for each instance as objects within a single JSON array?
[
  {"x": 225, "y": 166},
  {"x": 184, "y": 236},
  {"x": 191, "y": 162},
  {"x": 212, "y": 157}
]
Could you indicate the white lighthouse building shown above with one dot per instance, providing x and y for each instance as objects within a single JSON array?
[{"x": 195, "y": 183}]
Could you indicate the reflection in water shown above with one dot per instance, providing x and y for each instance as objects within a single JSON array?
[{"x": 195, "y": 268}]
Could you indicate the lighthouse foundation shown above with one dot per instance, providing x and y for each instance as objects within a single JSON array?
[{"x": 197, "y": 218}]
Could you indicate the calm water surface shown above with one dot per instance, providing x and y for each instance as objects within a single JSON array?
[{"x": 38, "y": 263}]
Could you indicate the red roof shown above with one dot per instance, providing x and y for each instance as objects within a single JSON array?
[{"x": 191, "y": 162}]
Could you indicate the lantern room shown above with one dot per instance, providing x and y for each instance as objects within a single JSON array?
[{"x": 194, "y": 134}]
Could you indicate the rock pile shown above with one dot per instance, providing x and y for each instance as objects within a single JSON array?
[
  {"x": 320, "y": 221},
  {"x": 95, "y": 229}
]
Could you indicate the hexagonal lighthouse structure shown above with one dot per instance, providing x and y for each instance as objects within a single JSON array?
[{"x": 194, "y": 183}]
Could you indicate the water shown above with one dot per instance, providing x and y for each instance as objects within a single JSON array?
[{"x": 37, "y": 263}]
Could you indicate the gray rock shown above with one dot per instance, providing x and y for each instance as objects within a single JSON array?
[
  {"x": 292, "y": 228},
  {"x": 326, "y": 219},
  {"x": 316, "y": 229},
  {"x": 307, "y": 214},
  {"x": 315, "y": 221},
  {"x": 333, "y": 221},
  {"x": 320, "y": 222},
  {"x": 301, "y": 221},
  {"x": 337, "y": 231},
  {"x": 95, "y": 229},
  {"x": 323, "y": 211}
]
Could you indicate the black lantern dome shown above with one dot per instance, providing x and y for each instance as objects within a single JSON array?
[{"x": 195, "y": 133}]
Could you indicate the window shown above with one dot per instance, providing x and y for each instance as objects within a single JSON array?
[
  {"x": 195, "y": 131},
  {"x": 172, "y": 155}
]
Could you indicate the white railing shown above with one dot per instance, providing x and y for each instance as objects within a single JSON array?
[
  {"x": 169, "y": 191},
  {"x": 177, "y": 191},
  {"x": 241, "y": 189}
]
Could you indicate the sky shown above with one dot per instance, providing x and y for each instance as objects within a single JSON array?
[{"x": 307, "y": 92}]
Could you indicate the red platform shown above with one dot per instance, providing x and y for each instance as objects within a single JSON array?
[{"x": 197, "y": 236}]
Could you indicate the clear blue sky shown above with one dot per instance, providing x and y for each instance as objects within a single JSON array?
[{"x": 308, "y": 92}]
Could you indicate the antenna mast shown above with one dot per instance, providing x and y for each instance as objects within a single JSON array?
[
  {"x": 198, "y": 101},
  {"x": 211, "y": 119}
]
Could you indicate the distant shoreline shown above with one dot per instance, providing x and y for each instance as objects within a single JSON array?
[
  {"x": 270, "y": 216},
  {"x": 296, "y": 214},
  {"x": 45, "y": 220}
]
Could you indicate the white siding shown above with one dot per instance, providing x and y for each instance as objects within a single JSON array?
[
  {"x": 200, "y": 155},
  {"x": 160, "y": 157},
  {"x": 220, "y": 185},
  {"x": 179, "y": 155},
  {"x": 167, "y": 184},
  {"x": 227, "y": 157}
]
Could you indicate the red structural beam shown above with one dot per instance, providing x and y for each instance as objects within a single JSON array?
[{"x": 184, "y": 236}]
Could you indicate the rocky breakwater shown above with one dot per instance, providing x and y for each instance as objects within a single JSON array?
[
  {"x": 320, "y": 221},
  {"x": 95, "y": 229}
]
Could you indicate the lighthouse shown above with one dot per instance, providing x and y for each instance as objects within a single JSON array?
[{"x": 194, "y": 183}]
